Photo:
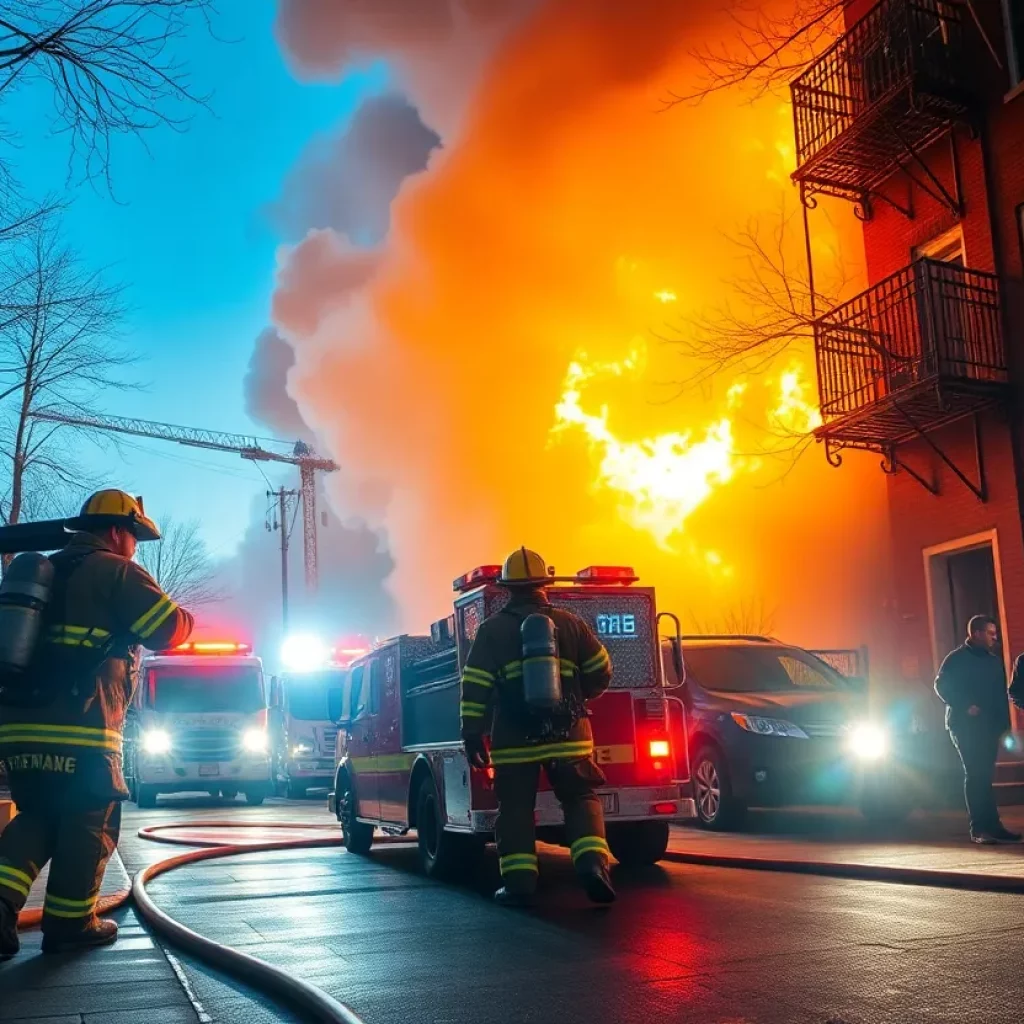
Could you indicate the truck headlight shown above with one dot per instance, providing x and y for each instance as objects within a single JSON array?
[
  {"x": 156, "y": 741},
  {"x": 302, "y": 748},
  {"x": 255, "y": 741},
  {"x": 867, "y": 741}
]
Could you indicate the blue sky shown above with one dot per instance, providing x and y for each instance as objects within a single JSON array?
[{"x": 188, "y": 237}]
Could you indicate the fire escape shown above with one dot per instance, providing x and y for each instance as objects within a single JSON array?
[{"x": 923, "y": 347}]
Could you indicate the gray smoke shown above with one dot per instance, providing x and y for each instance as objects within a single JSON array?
[
  {"x": 347, "y": 182},
  {"x": 264, "y": 387}
]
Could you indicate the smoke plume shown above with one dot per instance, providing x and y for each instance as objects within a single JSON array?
[{"x": 491, "y": 374}]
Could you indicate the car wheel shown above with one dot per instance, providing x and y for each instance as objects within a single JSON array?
[
  {"x": 255, "y": 797},
  {"x": 717, "y": 808},
  {"x": 638, "y": 843},
  {"x": 356, "y": 835},
  {"x": 443, "y": 854},
  {"x": 145, "y": 797}
]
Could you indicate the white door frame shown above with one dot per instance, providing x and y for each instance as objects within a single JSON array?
[{"x": 974, "y": 540}]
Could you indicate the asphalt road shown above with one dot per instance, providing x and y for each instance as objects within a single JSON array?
[{"x": 708, "y": 945}]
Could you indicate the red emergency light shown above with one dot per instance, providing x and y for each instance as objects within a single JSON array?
[
  {"x": 210, "y": 647},
  {"x": 623, "y": 574},
  {"x": 477, "y": 578}
]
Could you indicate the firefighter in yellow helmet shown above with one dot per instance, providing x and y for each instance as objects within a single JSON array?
[
  {"x": 522, "y": 741},
  {"x": 62, "y": 747}
]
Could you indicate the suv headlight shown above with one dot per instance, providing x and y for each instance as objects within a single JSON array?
[
  {"x": 156, "y": 741},
  {"x": 768, "y": 726},
  {"x": 867, "y": 741},
  {"x": 255, "y": 741}
]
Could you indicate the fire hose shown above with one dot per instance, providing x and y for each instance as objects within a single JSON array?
[{"x": 304, "y": 997}]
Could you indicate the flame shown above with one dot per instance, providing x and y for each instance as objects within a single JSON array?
[
  {"x": 660, "y": 480},
  {"x": 666, "y": 296},
  {"x": 794, "y": 412}
]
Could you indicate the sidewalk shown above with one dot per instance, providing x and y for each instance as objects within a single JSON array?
[{"x": 934, "y": 842}]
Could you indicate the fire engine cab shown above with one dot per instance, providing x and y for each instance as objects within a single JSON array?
[{"x": 401, "y": 763}]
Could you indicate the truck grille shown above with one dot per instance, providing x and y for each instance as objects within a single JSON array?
[
  {"x": 208, "y": 745},
  {"x": 329, "y": 740}
]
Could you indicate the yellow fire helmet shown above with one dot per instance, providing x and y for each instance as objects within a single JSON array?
[
  {"x": 524, "y": 568},
  {"x": 116, "y": 508}
]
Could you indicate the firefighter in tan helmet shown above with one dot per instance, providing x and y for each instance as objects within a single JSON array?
[
  {"x": 528, "y": 734},
  {"x": 62, "y": 748}
]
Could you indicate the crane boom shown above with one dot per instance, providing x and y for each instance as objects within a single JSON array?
[{"x": 246, "y": 446}]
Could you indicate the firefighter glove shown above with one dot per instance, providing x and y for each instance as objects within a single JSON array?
[{"x": 476, "y": 751}]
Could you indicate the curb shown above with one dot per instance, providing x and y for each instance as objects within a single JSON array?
[{"x": 971, "y": 881}]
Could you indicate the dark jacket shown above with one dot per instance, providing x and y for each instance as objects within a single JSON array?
[
  {"x": 971, "y": 676},
  {"x": 100, "y": 599},
  {"x": 493, "y": 672},
  {"x": 1017, "y": 682}
]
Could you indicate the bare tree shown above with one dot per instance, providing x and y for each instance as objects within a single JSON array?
[
  {"x": 59, "y": 349},
  {"x": 108, "y": 64},
  {"x": 767, "y": 49},
  {"x": 748, "y": 618},
  {"x": 180, "y": 563}
]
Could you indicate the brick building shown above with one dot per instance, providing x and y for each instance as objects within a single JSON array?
[{"x": 916, "y": 116}]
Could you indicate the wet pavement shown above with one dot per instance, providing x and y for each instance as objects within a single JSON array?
[{"x": 684, "y": 943}]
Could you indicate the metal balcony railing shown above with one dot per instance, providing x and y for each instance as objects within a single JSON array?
[
  {"x": 919, "y": 347},
  {"x": 888, "y": 87}
]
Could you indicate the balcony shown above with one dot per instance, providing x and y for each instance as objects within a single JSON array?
[
  {"x": 887, "y": 89},
  {"x": 915, "y": 351}
]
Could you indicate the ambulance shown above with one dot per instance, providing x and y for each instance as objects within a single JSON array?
[
  {"x": 198, "y": 724},
  {"x": 401, "y": 764}
]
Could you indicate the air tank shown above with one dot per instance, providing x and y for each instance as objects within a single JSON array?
[
  {"x": 542, "y": 680},
  {"x": 24, "y": 592}
]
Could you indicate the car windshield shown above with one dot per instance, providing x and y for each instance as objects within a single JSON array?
[
  {"x": 759, "y": 669},
  {"x": 194, "y": 689},
  {"x": 309, "y": 698}
]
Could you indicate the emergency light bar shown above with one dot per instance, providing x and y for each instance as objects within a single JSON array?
[
  {"x": 623, "y": 574},
  {"x": 210, "y": 647},
  {"x": 477, "y": 578}
]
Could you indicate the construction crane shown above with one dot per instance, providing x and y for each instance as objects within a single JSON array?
[{"x": 247, "y": 447}]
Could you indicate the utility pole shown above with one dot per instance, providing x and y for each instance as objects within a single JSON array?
[{"x": 283, "y": 498}]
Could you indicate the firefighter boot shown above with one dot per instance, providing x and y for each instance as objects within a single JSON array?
[
  {"x": 9, "y": 942},
  {"x": 99, "y": 933},
  {"x": 590, "y": 859},
  {"x": 598, "y": 884},
  {"x": 506, "y": 897}
]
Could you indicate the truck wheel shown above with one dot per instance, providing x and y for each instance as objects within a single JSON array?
[
  {"x": 255, "y": 797},
  {"x": 443, "y": 854},
  {"x": 145, "y": 796},
  {"x": 717, "y": 808},
  {"x": 357, "y": 835},
  {"x": 638, "y": 843},
  {"x": 296, "y": 791}
]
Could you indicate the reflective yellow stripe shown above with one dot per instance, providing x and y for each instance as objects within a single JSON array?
[
  {"x": 146, "y": 625},
  {"x": 599, "y": 660},
  {"x": 589, "y": 844},
  {"x": 543, "y": 752},
  {"x": 71, "y": 914},
  {"x": 16, "y": 874},
  {"x": 513, "y": 670},
  {"x": 470, "y": 710},
  {"x": 79, "y": 630},
  {"x": 64, "y": 904},
  {"x": 9, "y": 883},
  {"x": 62, "y": 730},
  {"x": 518, "y": 862},
  {"x": 60, "y": 735},
  {"x": 478, "y": 676}
]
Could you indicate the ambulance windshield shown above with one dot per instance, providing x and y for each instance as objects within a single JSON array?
[{"x": 201, "y": 689}]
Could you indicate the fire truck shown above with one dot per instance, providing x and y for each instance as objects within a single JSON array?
[
  {"x": 198, "y": 723},
  {"x": 402, "y": 766}
]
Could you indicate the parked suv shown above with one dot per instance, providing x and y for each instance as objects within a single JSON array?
[{"x": 772, "y": 724}]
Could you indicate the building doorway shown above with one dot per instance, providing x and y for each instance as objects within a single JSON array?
[{"x": 964, "y": 579}]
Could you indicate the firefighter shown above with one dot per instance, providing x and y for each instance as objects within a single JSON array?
[
  {"x": 522, "y": 742},
  {"x": 63, "y": 753}
]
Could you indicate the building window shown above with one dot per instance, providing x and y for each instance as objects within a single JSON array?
[
  {"x": 948, "y": 247},
  {"x": 1013, "y": 11}
]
